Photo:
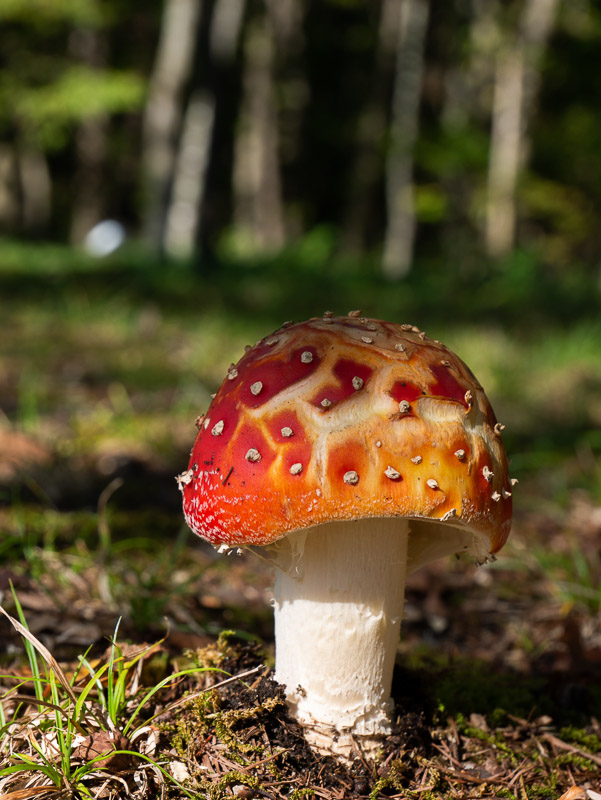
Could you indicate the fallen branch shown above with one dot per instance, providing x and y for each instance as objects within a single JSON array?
[{"x": 561, "y": 745}]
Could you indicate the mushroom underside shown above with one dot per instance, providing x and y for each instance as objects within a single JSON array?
[{"x": 338, "y": 602}]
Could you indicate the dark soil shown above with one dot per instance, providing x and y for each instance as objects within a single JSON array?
[{"x": 428, "y": 751}]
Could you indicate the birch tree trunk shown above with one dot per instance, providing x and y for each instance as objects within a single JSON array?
[
  {"x": 164, "y": 111},
  {"x": 400, "y": 226},
  {"x": 186, "y": 202},
  {"x": 517, "y": 79},
  {"x": 184, "y": 205}
]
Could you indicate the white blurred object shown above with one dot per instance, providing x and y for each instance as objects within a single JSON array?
[{"x": 104, "y": 238}]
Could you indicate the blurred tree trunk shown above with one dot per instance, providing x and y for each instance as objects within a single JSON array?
[
  {"x": 25, "y": 189},
  {"x": 89, "y": 181},
  {"x": 36, "y": 189},
  {"x": 164, "y": 111},
  {"x": 9, "y": 189},
  {"x": 187, "y": 202},
  {"x": 400, "y": 225},
  {"x": 517, "y": 79},
  {"x": 258, "y": 204},
  {"x": 91, "y": 145},
  {"x": 368, "y": 168}
]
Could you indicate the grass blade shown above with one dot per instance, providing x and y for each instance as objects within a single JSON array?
[{"x": 43, "y": 651}]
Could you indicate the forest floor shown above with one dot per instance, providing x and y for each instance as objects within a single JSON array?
[
  {"x": 135, "y": 636},
  {"x": 496, "y": 688}
]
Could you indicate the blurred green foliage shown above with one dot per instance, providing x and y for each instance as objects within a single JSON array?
[
  {"x": 45, "y": 89},
  {"x": 66, "y": 62},
  {"x": 48, "y": 112},
  {"x": 39, "y": 13}
]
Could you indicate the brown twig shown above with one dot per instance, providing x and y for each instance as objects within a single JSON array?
[{"x": 561, "y": 745}]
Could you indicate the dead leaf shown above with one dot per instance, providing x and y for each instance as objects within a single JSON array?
[
  {"x": 24, "y": 794},
  {"x": 574, "y": 793},
  {"x": 19, "y": 452},
  {"x": 104, "y": 743},
  {"x": 147, "y": 740}
]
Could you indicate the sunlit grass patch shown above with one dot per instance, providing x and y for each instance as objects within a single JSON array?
[
  {"x": 545, "y": 386},
  {"x": 99, "y": 726},
  {"x": 109, "y": 392},
  {"x": 113, "y": 381},
  {"x": 541, "y": 376},
  {"x": 78, "y": 732},
  {"x": 83, "y": 570},
  {"x": 115, "y": 359}
]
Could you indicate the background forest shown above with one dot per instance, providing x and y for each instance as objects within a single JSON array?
[
  {"x": 435, "y": 163},
  {"x": 214, "y": 128}
]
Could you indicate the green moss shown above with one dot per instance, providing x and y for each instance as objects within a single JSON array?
[
  {"x": 219, "y": 790},
  {"x": 502, "y": 791},
  {"x": 233, "y": 778},
  {"x": 206, "y": 715},
  {"x": 581, "y": 737},
  {"x": 227, "y": 723},
  {"x": 465, "y": 687},
  {"x": 430, "y": 794},
  {"x": 546, "y": 789},
  {"x": 573, "y": 760},
  {"x": 494, "y": 740},
  {"x": 395, "y": 778},
  {"x": 214, "y": 654},
  {"x": 188, "y": 729}
]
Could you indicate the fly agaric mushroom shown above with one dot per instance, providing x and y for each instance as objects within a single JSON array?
[{"x": 354, "y": 451}]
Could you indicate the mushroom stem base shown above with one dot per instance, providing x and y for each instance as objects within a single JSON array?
[{"x": 339, "y": 591}]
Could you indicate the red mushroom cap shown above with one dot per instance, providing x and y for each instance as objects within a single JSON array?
[{"x": 343, "y": 418}]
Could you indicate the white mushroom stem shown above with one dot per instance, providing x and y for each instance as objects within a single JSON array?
[{"x": 339, "y": 591}]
